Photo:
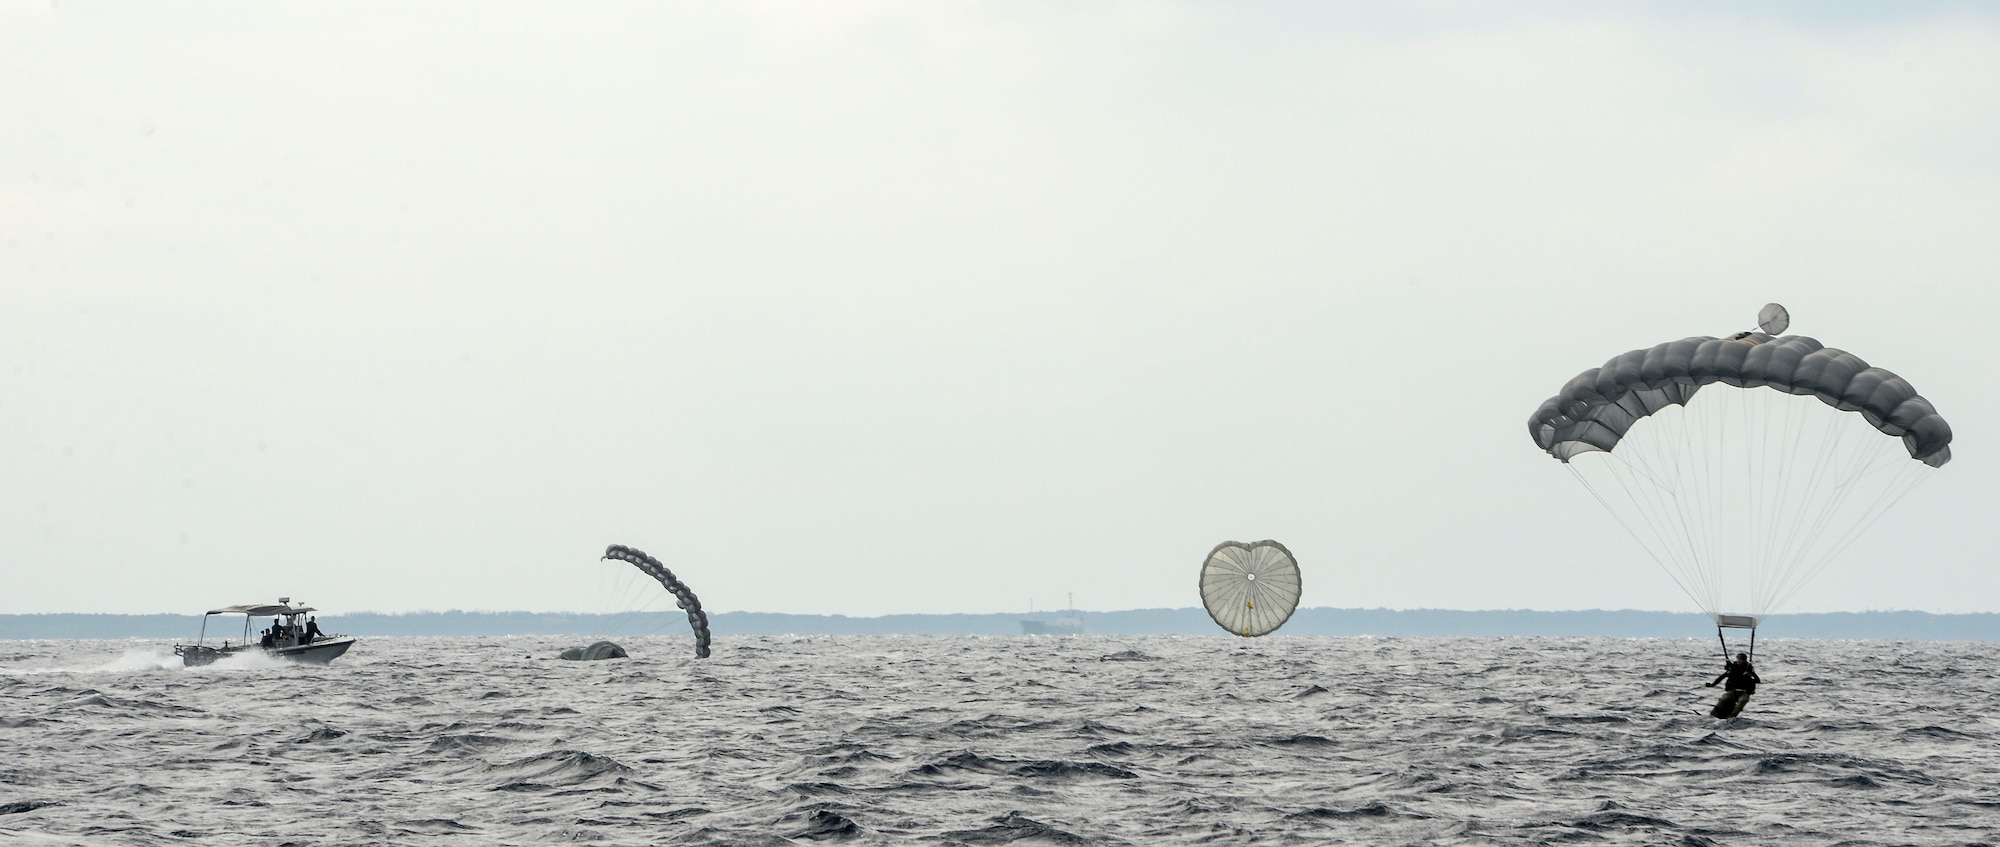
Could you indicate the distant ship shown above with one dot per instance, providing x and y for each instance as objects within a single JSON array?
[{"x": 1064, "y": 623}]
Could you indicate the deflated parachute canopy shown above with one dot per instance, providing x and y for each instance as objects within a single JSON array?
[
  {"x": 1250, "y": 589},
  {"x": 595, "y": 652},
  {"x": 683, "y": 597}
]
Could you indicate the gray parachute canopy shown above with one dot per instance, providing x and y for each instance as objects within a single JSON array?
[
  {"x": 1743, "y": 465},
  {"x": 596, "y": 652},
  {"x": 1250, "y": 589},
  {"x": 1596, "y": 409},
  {"x": 683, "y": 597}
]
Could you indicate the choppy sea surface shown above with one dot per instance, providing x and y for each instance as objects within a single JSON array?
[{"x": 982, "y": 741}]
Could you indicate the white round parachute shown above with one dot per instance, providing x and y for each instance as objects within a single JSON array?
[{"x": 1250, "y": 589}]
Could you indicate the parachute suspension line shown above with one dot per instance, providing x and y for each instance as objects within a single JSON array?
[
  {"x": 1834, "y": 447},
  {"x": 1757, "y": 444},
  {"x": 1747, "y": 553},
  {"x": 1707, "y": 465},
  {"x": 1753, "y": 505},
  {"x": 1757, "y": 453},
  {"x": 1682, "y": 529},
  {"x": 1912, "y": 475},
  {"x": 1715, "y": 426},
  {"x": 1737, "y": 500},
  {"x": 1815, "y": 484},
  {"x": 1771, "y": 487},
  {"x": 1651, "y": 549},
  {"x": 1907, "y": 481},
  {"x": 1771, "y": 473},
  {"x": 1812, "y": 524},
  {"x": 1691, "y": 469},
  {"x": 1777, "y": 448},
  {"x": 622, "y": 598},
  {"x": 683, "y": 597},
  {"x": 1849, "y": 455},
  {"x": 1705, "y": 471},
  {"x": 1905, "y": 477},
  {"x": 1778, "y": 444},
  {"x": 1785, "y": 521},
  {"x": 1780, "y": 531},
  {"x": 1654, "y": 504},
  {"x": 1689, "y": 466},
  {"x": 1745, "y": 504},
  {"x": 642, "y": 609},
  {"x": 1808, "y": 524}
]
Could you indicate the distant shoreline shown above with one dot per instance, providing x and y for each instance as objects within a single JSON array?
[{"x": 1925, "y": 626}]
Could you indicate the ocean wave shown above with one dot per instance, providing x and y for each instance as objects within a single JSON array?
[{"x": 1088, "y": 740}]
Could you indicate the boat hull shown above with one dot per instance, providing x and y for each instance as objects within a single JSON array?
[
  {"x": 317, "y": 653},
  {"x": 195, "y": 656}
]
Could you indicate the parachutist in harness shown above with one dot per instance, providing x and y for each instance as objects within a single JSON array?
[
  {"x": 1661, "y": 475},
  {"x": 1739, "y": 681},
  {"x": 1739, "y": 676}
]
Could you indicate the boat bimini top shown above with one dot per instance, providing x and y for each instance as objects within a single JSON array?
[{"x": 258, "y": 610}]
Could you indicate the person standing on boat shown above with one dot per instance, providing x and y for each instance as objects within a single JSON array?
[{"x": 312, "y": 630}]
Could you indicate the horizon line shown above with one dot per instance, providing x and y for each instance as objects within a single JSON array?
[{"x": 1419, "y": 609}]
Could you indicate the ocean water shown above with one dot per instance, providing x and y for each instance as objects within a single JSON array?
[{"x": 984, "y": 741}]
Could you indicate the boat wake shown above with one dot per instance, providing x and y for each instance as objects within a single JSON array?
[
  {"x": 141, "y": 660},
  {"x": 131, "y": 661},
  {"x": 236, "y": 662}
]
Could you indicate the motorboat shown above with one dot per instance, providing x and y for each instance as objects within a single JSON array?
[{"x": 286, "y": 638}]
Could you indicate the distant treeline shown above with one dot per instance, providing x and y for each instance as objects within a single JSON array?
[{"x": 1189, "y": 621}]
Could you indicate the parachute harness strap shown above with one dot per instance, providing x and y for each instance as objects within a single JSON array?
[{"x": 1751, "y": 651}]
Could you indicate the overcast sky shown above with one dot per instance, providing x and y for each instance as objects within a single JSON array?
[{"x": 870, "y": 308}]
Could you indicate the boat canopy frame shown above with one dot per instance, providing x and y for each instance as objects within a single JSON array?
[{"x": 250, "y": 611}]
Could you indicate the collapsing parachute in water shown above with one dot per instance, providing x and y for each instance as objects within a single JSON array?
[
  {"x": 595, "y": 652},
  {"x": 1250, "y": 589},
  {"x": 683, "y": 598},
  {"x": 1743, "y": 465}
]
